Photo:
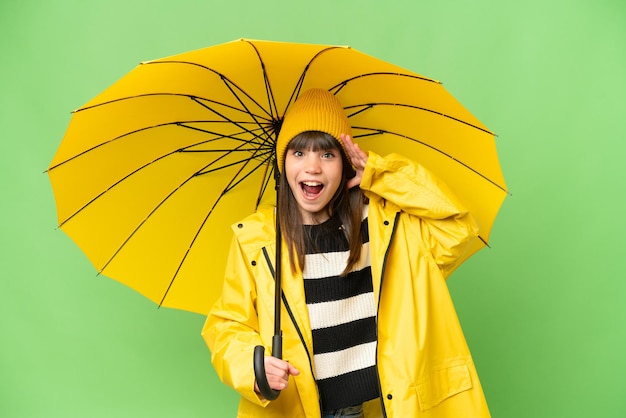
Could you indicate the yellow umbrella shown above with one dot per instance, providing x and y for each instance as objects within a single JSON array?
[{"x": 152, "y": 172}]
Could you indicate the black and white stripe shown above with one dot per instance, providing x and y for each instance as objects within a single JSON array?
[{"x": 342, "y": 312}]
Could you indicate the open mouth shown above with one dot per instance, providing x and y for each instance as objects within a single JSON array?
[{"x": 311, "y": 188}]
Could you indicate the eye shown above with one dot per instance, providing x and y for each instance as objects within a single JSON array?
[
  {"x": 297, "y": 153},
  {"x": 328, "y": 154}
]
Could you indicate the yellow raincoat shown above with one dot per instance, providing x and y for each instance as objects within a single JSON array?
[{"x": 417, "y": 234}]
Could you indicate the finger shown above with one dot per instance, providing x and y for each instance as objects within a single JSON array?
[
  {"x": 356, "y": 154},
  {"x": 278, "y": 372},
  {"x": 348, "y": 143},
  {"x": 279, "y": 368},
  {"x": 353, "y": 182},
  {"x": 293, "y": 371},
  {"x": 279, "y": 381}
]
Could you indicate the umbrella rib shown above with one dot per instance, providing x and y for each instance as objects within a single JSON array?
[
  {"x": 267, "y": 175},
  {"x": 228, "y": 86},
  {"x": 273, "y": 112},
  {"x": 198, "y": 100},
  {"x": 260, "y": 125},
  {"x": 367, "y": 106},
  {"x": 128, "y": 238},
  {"x": 221, "y": 135},
  {"x": 182, "y": 261},
  {"x": 161, "y": 125},
  {"x": 109, "y": 141},
  {"x": 229, "y": 187},
  {"x": 298, "y": 87},
  {"x": 374, "y": 132},
  {"x": 184, "y": 149},
  {"x": 245, "y": 160},
  {"x": 337, "y": 87},
  {"x": 232, "y": 185},
  {"x": 165, "y": 199},
  {"x": 271, "y": 100},
  {"x": 142, "y": 95},
  {"x": 228, "y": 82}
]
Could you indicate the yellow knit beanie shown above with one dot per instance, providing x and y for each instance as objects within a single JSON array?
[{"x": 314, "y": 110}]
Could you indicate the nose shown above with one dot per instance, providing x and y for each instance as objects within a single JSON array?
[{"x": 312, "y": 163}]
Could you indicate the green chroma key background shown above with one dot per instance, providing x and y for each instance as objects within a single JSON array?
[{"x": 543, "y": 309}]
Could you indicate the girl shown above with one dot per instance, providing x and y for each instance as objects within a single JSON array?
[{"x": 371, "y": 329}]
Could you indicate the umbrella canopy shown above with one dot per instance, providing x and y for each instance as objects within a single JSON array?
[{"x": 152, "y": 172}]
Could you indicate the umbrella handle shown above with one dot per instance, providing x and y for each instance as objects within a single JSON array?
[{"x": 259, "y": 369}]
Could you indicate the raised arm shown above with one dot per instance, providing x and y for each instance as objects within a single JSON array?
[{"x": 446, "y": 226}]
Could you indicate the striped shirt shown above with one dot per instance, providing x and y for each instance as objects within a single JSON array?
[{"x": 342, "y": 312}]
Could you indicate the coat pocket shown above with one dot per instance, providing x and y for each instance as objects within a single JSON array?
[{"x": 443, "y": 383}]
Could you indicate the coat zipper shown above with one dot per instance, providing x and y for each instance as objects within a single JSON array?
[{"x": 380, "y": 292}]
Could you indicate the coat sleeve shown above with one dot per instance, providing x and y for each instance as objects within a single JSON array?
[
  {"x": 231, "y": 330},
  {"x": 447, "y": 228}
]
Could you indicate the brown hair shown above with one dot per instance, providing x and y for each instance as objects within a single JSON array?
[{"x": 346, "y": 204}]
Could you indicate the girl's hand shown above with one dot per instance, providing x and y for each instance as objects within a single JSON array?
[
  {"x": 358, "y": 158},
  {"x": 277, "y": 372}
]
